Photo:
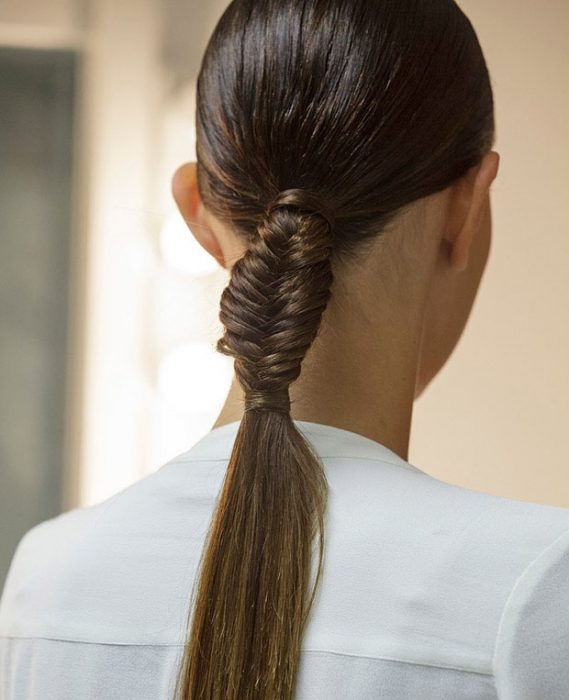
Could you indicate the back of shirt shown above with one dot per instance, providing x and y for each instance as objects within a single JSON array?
[{"x": 428, "y": 590}]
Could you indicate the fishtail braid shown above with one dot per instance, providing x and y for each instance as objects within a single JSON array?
[{"x": 272, "y": 307}]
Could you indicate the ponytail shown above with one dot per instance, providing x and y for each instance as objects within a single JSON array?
[{"x": 254, "y": 596}]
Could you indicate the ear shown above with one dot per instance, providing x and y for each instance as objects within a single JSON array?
[
  {"x": 187, "y": 197},
  {"x": 467, "y": 206}
]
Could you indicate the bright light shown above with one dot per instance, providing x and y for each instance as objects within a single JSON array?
[
  {"x": 194, "y": 378},
  {"x": 180, "y": 249}
]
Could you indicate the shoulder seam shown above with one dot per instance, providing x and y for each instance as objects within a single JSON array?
[{"x": 533, "y": 564}]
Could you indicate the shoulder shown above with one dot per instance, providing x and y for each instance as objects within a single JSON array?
[
  {"x": 47, "y": 555},
  {"x": 113, "y": 572},
  {"x": 36, "y": 565},
  {"x": 509, "y": 562},
  {"x": 532, "y": 644},
  {"x": 482, "y": 535},
  {"x": 454, "y": 554},
  {"x": 412, "y": 503}
]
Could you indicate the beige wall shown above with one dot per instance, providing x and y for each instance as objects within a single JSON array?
[{"x": 496, "y": 419}]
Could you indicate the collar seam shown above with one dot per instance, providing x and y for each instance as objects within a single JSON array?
[{"x": 321, "y": 456}]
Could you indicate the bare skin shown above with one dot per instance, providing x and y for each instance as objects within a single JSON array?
[{"x": 394, "y": 318}]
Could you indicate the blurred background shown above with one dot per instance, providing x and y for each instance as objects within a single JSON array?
[{"x": 109, "y": 308}]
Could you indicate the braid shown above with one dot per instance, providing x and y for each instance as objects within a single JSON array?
[{"x": 273, "y": 304}]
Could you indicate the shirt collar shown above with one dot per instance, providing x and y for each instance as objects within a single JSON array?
[{"x": 328, "y": 442}]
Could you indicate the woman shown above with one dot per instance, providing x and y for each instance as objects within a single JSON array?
[{"x": 344, "y": 167}]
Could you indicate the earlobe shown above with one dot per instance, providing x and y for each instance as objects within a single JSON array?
[{"x": 186, "y": 195}]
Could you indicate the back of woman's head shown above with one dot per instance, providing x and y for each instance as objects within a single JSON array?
[{"x": 317, "y": 122}]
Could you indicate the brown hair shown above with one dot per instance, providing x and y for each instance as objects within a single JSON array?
[{"x": 317, "y": 121}]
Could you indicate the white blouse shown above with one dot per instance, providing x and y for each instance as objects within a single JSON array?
[{"x": 429, "y": 590}]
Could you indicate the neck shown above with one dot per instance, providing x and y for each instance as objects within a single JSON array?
[{"x": 357, "y": 375}]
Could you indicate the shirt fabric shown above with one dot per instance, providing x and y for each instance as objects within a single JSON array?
[{"x": 429, "y": 590}]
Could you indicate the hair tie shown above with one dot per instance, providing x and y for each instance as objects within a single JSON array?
[
  {"x": 304, "y": 201},
  {"x": 262, "y": 401}
]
